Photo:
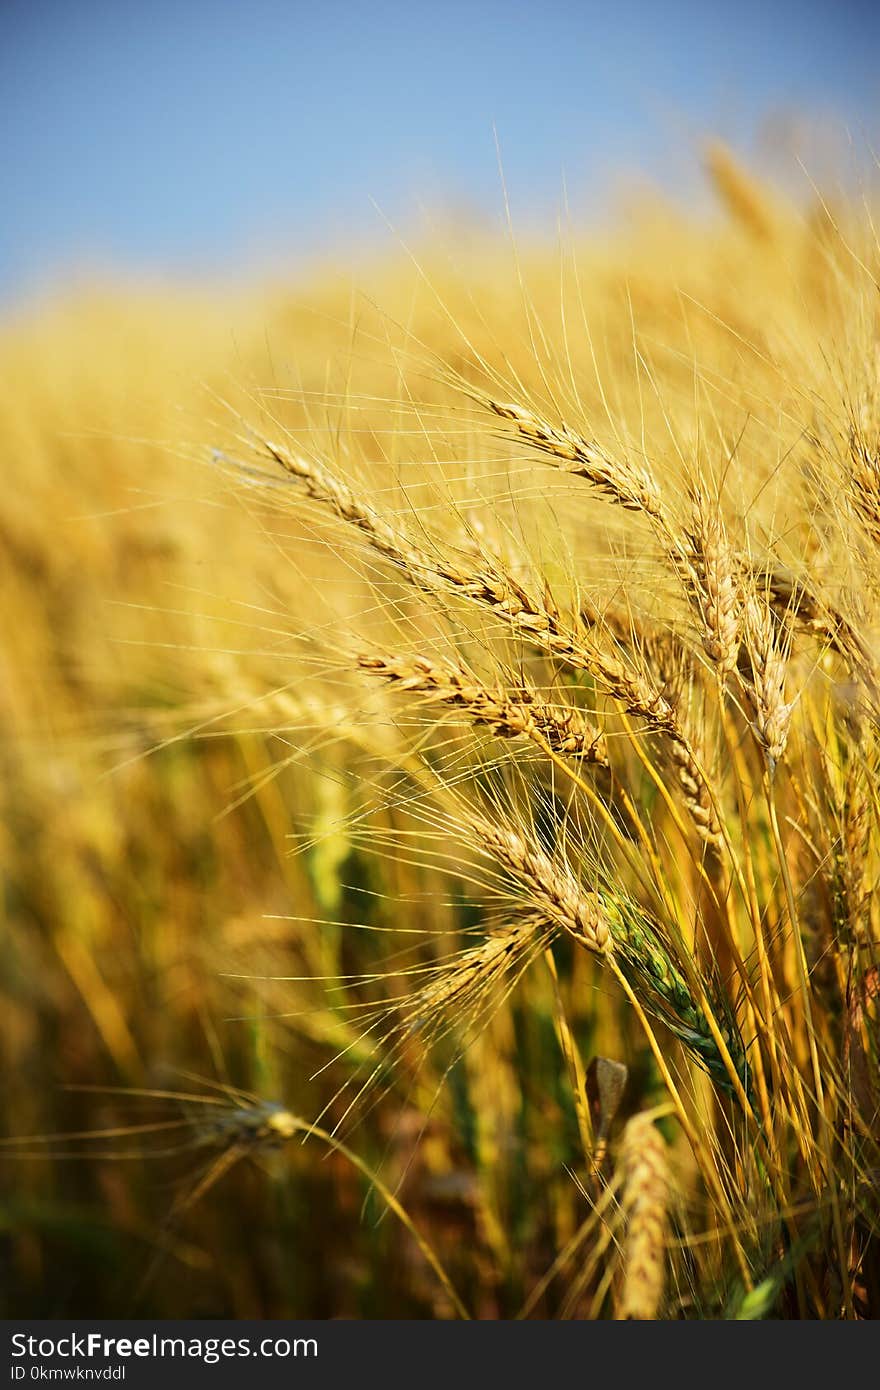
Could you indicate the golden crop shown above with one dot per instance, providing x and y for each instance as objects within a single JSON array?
[{"x": 417, "y": 698}]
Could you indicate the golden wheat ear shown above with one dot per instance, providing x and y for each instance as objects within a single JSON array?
[
  {"x": 506, "y": 712},
  {"x": 644, "y": 1162}
]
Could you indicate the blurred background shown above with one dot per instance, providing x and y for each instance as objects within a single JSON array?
[
  {"x": 211, "y": 137},
  {"x": 189, "y": 192}
]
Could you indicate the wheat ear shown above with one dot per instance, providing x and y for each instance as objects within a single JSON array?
[
  {"x": 645, "y": 1206},
  {"x": 520, "y": 712},
  {"x": 767, "y": 686},
  {"x": 629, "y": 485},
  {"x": 534, "y": 619},
  {"x": 616, "y": 928},
  {"x": 710, "y": 570}
]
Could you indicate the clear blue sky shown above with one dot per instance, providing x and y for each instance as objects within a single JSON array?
[{"x": 208, "y": 135}]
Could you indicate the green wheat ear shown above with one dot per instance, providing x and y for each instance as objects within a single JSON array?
[{"x": 647, "y": 963}]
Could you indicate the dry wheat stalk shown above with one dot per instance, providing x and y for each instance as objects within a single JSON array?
[{"x": 645, "y": 1206}]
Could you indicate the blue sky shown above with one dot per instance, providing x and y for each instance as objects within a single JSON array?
[{"x": 210, "y": 136}]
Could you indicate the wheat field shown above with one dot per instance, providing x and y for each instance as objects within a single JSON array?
[{"x": 439, "y": 721}]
